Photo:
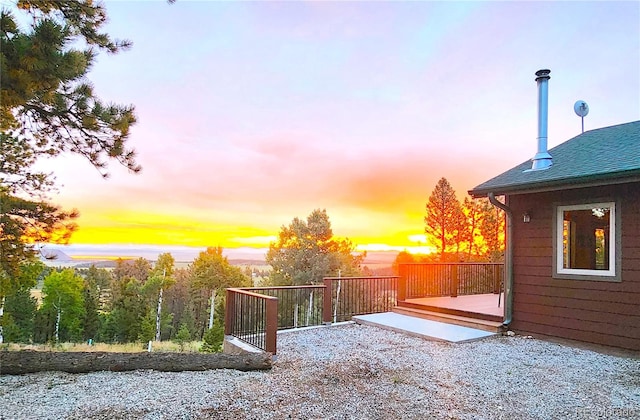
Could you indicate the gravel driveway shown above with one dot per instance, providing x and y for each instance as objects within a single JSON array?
[{"x": 353, "y": 372}]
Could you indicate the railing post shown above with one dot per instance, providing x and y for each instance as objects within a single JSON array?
[
  {"x": 498, "y": 271},
  {"x": 454, "y": 280},
  {"x": 229, "y": 312},
  {"x": 401, "y": 291},
  {"x": 272, "y": 325},
  {"x": 326, "y": 302}
]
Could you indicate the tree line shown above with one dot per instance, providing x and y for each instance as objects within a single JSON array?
[
  {"x": 141, "y": 301},
  {"x": 471, "y": 230},
  {"x": 136, "y": 301},
  {"x": 306, "y": 250}
]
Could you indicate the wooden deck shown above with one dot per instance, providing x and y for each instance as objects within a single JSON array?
[{"x": 483, "y": 306}]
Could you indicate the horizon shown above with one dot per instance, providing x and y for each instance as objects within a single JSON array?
[
  {"x": 182, "y": 254},
  {"x": 276, "y": 109}
]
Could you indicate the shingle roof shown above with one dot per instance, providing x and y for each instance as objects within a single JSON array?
[{"x": 610, "y": 153}]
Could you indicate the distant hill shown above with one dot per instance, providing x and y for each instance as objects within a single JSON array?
[
  {"x": 242, "y": 261},
  {"x": 97, "y": 263},
  {"x": 380, "y": 257},
  {"x": 379, "y": 262}
]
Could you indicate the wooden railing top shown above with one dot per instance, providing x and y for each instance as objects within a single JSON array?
[
  {"x": 453, "y": 263},
  {"x": 250, "y": 293},
  {"x": 361, "y": 278},
  {"x": 302, "y": 286}
]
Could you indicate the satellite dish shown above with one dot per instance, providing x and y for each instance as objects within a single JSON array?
[{"x": 581, "y": 108}]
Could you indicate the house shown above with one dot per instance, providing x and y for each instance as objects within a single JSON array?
[{"x": 573, "y": 235}]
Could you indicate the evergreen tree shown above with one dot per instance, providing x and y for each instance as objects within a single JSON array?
[
  {"x": 44, "y": 325},
  {"x": 139, "y": 269},
  {"x": 199, "y": 306},
  {"x": 130, "y": 300},
  {"x": 175, "y": 301},
  {"x": 213, "y": 338},
  {"x": 49, "y": 107},
  {"x": 23, "y": 223},
  {"x": 109, "y": 331},
  {"x": 474, "y": 211},
  {"x": 15, "y": 301},
  {"x": 493, "y": 232},
  {"x": 129, "y": 311},
  {"x": 90, "y": 318},
  {"x": 186, "y": 320},
  {"x": 97, "y": 278},
  {"x": 183, "y": 336},
  {"x": 19, "y": 313},
  {"x": 443, "y": 219},
  {"x": 306, "y": 251},
  {"x": 147, "y": 328}
]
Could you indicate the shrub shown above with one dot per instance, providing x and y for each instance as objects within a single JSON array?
[
  {"x": 213, "y": 338},
  {"x": 182, "y": 337}
]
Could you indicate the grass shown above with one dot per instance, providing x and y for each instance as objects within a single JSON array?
[{"x": 159, "y": 347}]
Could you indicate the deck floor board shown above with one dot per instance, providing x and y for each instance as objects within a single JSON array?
[{"x": 483, "y": 304}]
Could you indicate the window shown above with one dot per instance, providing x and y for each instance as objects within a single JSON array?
[{"x": 586, "y": 238}]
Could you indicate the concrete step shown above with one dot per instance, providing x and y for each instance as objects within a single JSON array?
[
  {"x": 464, "y": 321},
  {"x": 423, "y": 328}
]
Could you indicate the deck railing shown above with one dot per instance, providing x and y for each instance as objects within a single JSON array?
[
  {"x": 252, "y": 318},
  {"x": 419, "y": 280},
  {"x": 298, "y": 306},
  {"x": 348, "y": 296},
  {"x": 255, "y": 314}
]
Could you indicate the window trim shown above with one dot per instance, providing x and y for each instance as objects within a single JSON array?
[{"x": 615, "y": 249}]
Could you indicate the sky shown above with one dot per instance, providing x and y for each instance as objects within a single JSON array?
[{"x": 253, "y": 113}]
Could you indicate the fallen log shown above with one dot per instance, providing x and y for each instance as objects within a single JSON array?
[{"x": 30, "y": 361}]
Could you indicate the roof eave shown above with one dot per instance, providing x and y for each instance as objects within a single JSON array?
[{"x": 560, "y": 184}]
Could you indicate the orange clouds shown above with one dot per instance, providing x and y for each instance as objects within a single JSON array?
[{"x": 240, "y": 194}]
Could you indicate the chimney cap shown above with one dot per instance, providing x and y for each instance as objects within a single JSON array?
[{"x": 543, "y": 74}]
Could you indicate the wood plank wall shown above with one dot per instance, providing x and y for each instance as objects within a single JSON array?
[{"x": 598, "y": 312}]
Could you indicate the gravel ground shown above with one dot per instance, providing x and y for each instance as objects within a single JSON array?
[{"x": 353, "y": 372}]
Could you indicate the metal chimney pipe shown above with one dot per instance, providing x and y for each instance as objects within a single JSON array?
[{"x": 542, "y": 159}]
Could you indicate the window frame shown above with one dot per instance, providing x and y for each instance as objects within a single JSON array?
[{"x": 615, "y": 249}]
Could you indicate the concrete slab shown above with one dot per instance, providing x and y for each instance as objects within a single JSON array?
[
  {"x": 432, "y": 330},
  {"x": 233, "y": 345}
]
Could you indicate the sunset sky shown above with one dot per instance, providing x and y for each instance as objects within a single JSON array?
[{"x": 251, "y": 114}]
